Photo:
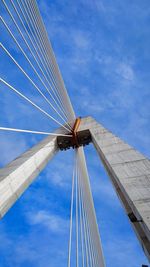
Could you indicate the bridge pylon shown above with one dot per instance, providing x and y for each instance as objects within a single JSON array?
[{"x": 129, "y": 172}]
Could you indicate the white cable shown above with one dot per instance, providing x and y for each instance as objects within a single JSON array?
[
  {"x": 33, "y": 132},
  {"x": 89, "y": 224},
  {"x": 37, "y": 54},
  {"x": 87, "y": 209},
  {"x": 17, "y": 64},
  {"x": 98, "y": 246},
  {"x": 52, "y": 57},
  {"x": 81, "y": 223},
  {"x": 31, "y": 102},
  {"x": 77, "y": 226},
  {"x": 85, "y": 201},
  {"x": 40, "y": 32},
  {"x": 6, "y": 26},
  {"x": 71, "y": 213},
  {"x": 85, "y": 229},
  {"x": 36, "y": 41},
  {"x": 88, "y": 219},
  {"x": 24, "y": 40}
]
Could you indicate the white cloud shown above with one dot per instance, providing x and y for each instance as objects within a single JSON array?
[
  {"x": 111, "y": 65},
  {"x": 53, "y": 223},
  {"x": 57, "y": 178},
  {"x": 126, "y": 71},
  {"x": 120, "y": 99},
  {"x": 127, "y": 252},
  {"x": 81, "y": 40},
  {"x": 95, "y": 5},
  {"x": 11, "y": 147}
]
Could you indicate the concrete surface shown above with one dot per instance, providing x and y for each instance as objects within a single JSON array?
[{"x": 129, "y": 172}]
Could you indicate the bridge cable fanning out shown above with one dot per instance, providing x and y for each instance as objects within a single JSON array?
[
  {"x": 37, "y": 45},
  {"x": 88, "y": 244},
  {"x": 40, "y": 69},
  {"x": 10, "y": 32}
]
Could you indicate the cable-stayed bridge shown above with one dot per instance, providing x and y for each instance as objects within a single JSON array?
[{"x": 128, "y": 169}]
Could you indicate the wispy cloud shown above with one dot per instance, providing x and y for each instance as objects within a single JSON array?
[
  {"x": 52, "y": 222},
  {"x": 126, "y": 71},
  {"x": 11, "y": 147},
  {"x": 102, "y": 48},
  {"x": 121, "y": 258}
]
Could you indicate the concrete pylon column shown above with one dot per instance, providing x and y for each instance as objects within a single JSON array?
[
  {"x": 129, "y": 172},
  {"x": 20, "y": 173}
]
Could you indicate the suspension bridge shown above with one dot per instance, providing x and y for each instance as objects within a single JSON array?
[{"x": 129, "y": 170}]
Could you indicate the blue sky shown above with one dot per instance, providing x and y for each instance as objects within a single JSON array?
[{"x": 103, "y": 51}]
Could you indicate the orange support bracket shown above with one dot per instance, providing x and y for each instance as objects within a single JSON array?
[{"x": 74, "y": 131}]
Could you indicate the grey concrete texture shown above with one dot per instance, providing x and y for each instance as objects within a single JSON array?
[
  {"x": 129, "y": 172},
  {"x": 16, "y": 177}
]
